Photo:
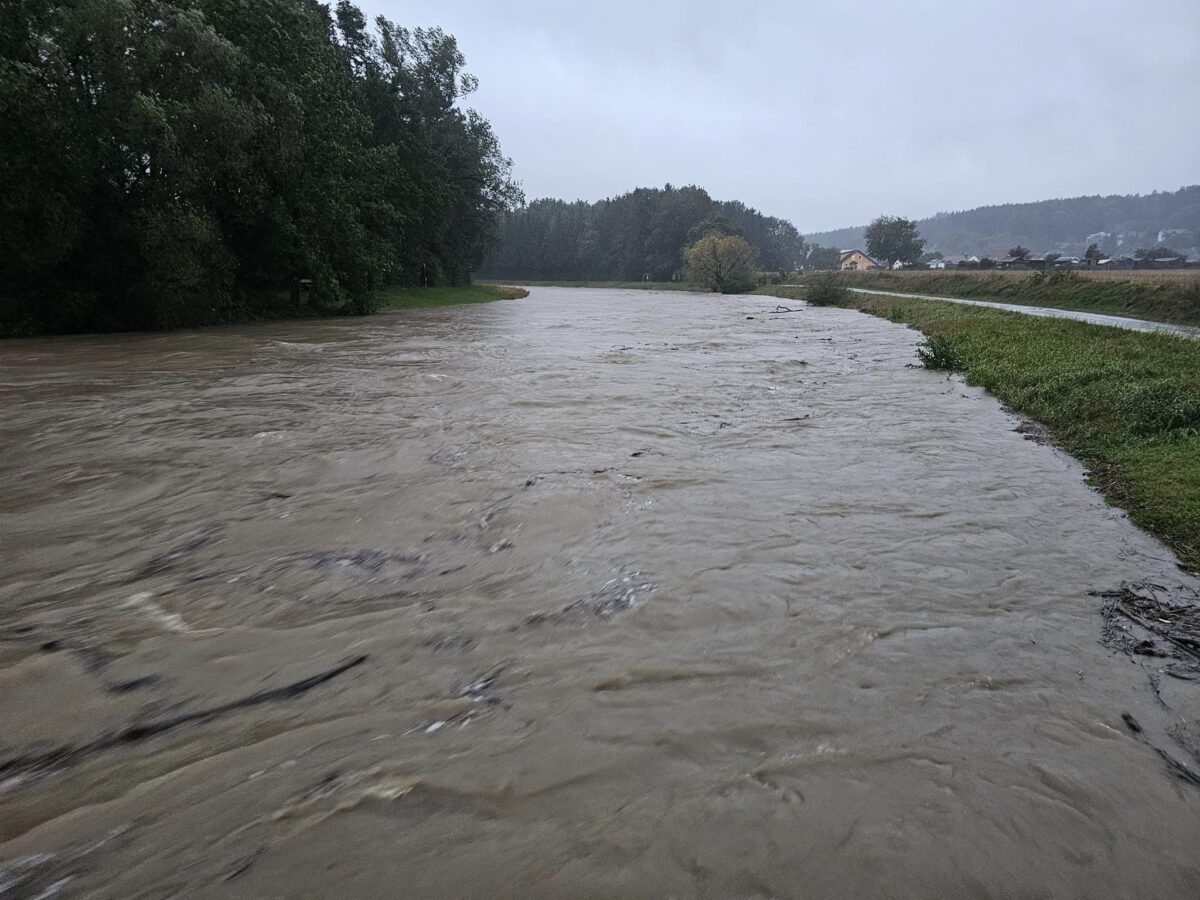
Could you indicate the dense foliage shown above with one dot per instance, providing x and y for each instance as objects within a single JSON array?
[
  {"x": 819, "y": 257},
  {"x": 179, "y": 162},
  {"x": 894, "y": 239},
  {"x": 625, "y": 238},
  {"x": 1115, "y": 224},
  {"x": 721, "y": 262}
]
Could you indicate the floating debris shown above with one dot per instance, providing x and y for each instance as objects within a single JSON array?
[
  {"x": 1150, "y": 620},
  {"x": 1036, "y": 432},
  {"x": 364, "y": 561},
  {"x": 482, "y": 688},
  {"x": 616, "y": 595}
]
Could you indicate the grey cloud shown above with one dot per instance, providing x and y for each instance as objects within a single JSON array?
[{"x": 830, "y": 114}]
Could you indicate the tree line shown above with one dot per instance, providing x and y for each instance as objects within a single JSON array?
[
  {"x": 185, "y": 162},
  {"x": 625, "y": 238}
]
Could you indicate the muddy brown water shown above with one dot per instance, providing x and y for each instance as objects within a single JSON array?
[{"x": 655, "y": 599}]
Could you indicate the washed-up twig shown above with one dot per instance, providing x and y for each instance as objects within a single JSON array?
[
  {"x": 1177, "y": 625},
  {"x": 1180, "y": 770}
]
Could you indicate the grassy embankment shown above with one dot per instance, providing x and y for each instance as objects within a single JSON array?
[
  {"x": 1162, "y": 296},
  {"x": 1125, "y": 403},
  {"x": 424, "y": 297}
]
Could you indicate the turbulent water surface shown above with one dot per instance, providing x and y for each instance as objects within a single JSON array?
[{"x": 596, "y": 593}]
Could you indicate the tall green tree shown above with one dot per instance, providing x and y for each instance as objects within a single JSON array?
[
  {"x": 823, "y": 257},
  {"x": 721, "y": 262},
  {"x": 894, "y": 239},
  {"x": 180, "y": 162},
  {"x": 1155, "y": 253}
]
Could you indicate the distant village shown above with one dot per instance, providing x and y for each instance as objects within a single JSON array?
[{"x": 860, "y": 261}]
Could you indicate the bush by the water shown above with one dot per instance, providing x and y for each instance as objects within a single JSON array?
[
  {"x": 825, "y": 291},
  {"x": 940, "y": 352},
  {"x": 738, "y": 283}
]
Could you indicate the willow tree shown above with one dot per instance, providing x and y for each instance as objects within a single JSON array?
[{"x": 721, "y": 262}]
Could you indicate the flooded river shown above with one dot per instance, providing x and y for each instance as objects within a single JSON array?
[{"x": 594, "y": 594}]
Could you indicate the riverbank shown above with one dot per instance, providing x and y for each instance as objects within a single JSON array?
[
  {"x": 610, "y": 285},
  {"x": 390, "y": 299},
  {"x": 1125, "y": 403},
  {"x": 425, "y": 297},
  {"x": 1161, "y": 296}
]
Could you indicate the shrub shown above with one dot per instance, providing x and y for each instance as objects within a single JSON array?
[
  {"x": 826, "y": 291},
  {"x": 939, "y": 352},
  {"x": 738, "y": 283},
  {"x": 1054, "y": 278}
]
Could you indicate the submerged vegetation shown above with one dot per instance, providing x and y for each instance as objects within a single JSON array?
[
  {"x": 1169, "y": 296},
  {"x": 1126, "y": 403},
  {"x": 183, "y": 162}
]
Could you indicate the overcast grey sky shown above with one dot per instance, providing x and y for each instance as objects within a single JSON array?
[{"x": 830, "y": 114}]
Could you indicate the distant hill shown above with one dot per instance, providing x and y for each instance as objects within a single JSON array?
[{"x": 1119, "y": 224}]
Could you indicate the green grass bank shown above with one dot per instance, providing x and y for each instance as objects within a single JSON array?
[
  {"x": 425, "y": 297},
  {"x": 1162, "y": 296},
  {"x": 1125, "y": 403}
]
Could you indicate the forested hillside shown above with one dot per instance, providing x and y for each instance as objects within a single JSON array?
[
  {"x": 181, "y": 162},
  {"x": 625, "y": 238},
  {"x": 1063, "y": 225}
]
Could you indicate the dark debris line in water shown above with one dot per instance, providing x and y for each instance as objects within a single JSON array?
[
  {"x": 1154, "y": 623},
  {"x": 62, "y": 757}
]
